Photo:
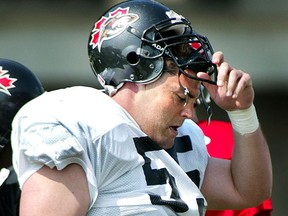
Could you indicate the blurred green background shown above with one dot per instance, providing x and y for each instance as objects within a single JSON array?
[{"x": 50, "y": 37}]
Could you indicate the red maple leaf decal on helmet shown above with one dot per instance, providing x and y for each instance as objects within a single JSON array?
[{"x": 6, "y": 82}]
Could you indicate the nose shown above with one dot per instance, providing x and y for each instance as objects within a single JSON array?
[{"x": 188, "y": 111}]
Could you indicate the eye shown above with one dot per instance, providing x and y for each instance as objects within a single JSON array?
[{"x": 181, "y": 99}]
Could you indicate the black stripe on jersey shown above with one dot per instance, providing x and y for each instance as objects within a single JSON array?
[
  {"x": 178, "y": 206},
  {"x": 159, "y": 176},
  {"x": 194, "y": 175},
  {"x": 201, "y": 206},
  {"x": 181, "y": 145},
  {"x": 144, "y": 144},
  {"x": 153, "y": 176}
]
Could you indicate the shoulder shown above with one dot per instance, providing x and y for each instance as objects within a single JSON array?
[
  {"x": 75, "y": 109},
  {"x": 74, "y": 94},
  {"x": 78, "y": 100}
]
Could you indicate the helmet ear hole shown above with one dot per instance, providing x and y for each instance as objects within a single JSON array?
[{"x": 133, "y": 58}]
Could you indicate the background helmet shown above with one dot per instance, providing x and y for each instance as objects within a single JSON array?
[
  {"x": 130, "y": 42},
  {"x": 18, "y": 85}
]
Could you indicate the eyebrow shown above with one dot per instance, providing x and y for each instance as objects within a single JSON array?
[{"x": 187, "y": 92}]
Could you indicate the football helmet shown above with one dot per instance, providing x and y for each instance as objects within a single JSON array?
[
  {"x": 131, "y": 41},
  {"x": 18, "y": 85}
]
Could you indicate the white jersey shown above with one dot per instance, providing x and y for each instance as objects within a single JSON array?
[{"x": 127, "y": 173}]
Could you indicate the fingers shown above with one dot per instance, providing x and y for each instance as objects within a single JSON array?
[
  {"x": 218, "y": 58},
  {"x": 232, "y": 79},
  {"x": 223, "y": 73},
  {"x": 236, "y": 86}
]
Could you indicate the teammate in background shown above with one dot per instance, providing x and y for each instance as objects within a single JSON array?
[
  {"x": 79, "y": 151},
  {"x": 18, "y": 85},
  {"x": 219, "y": 141}
]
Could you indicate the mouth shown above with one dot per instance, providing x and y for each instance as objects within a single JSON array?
[{"x": 174, "y": 130}]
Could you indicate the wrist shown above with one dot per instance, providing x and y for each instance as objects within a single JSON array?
[{"x": 244, "y": 121}]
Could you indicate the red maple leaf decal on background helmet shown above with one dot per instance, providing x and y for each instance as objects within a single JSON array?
[{"x": 5, "y": 81}]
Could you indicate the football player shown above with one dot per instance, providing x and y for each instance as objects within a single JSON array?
[
  {"x": 18, "y": 85},
  {"x": 79, "y": 151}
]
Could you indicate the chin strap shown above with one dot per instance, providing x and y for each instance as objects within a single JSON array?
[
  {"x": 205, "y": 100},
  {"x": 209, "y": 112}
]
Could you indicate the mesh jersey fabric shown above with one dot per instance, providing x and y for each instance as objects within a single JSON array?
[
  {"x": 63, "y": 127},
  {"x": 219, "y": 138}
]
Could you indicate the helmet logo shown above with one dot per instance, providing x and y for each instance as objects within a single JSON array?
[
  {"x": 5, "y": 81},
  {"x": 109, "y": 27},
  {"x": 173, "y": 15}
]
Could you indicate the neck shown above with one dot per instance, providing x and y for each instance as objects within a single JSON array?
[{"x": 125, "y": 97}]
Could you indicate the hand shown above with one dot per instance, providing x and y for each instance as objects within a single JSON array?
[{"x": 234, "y": 87}]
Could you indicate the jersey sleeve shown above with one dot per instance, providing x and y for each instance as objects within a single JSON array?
[{"x": 50, "y": 144}]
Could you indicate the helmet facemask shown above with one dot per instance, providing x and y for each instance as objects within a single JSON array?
[{"x": 170, "y": 38}]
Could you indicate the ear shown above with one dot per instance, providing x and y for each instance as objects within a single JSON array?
[{"x": 131, "y": 86}]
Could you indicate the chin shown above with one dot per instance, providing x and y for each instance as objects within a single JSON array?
[{"x": 167, "y": 144}]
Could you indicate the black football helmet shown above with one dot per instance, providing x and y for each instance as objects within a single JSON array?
[
  {"x": 18, "y": 85},
  {"x": 131, "y": 40}
]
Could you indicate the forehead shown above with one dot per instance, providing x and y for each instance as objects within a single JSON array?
[
  {"x": 172, "y": 68},
  {"x": 180, "y": 83}
]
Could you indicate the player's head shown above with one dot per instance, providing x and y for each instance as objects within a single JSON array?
[
  {"x": 132, "y": 41},
  {"x": 18, "y": 85}
]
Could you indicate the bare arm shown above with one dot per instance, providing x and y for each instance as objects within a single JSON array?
[
  {"x": 243, "y": 182},
  {"x": 246, "y": 180},
  {"x": 53, "y": 192}
]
